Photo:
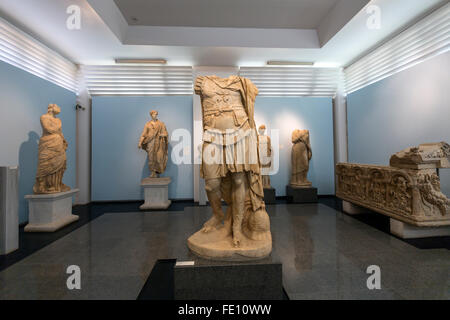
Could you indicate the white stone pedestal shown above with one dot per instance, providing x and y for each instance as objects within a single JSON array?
[
  {"x": 352, "y": 209},
  {"x": 408, "y": 231},
  {"x": 156, "y": 193},
  {"x": 9, "y": 209},
  {"x": 50, "y": 212}
]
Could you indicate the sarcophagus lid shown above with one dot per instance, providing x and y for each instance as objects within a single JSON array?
[{"x": 425, "y": 156}]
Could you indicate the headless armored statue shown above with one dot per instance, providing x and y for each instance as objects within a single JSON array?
[{"x": 230, "y": 164}]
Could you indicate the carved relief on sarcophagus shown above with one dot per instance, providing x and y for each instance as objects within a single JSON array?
[{"x": 412, "y": 196}]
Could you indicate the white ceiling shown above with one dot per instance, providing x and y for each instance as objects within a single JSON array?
[
  {"x": 297, "y": 14},
  {"x": 105, "y": 35}
]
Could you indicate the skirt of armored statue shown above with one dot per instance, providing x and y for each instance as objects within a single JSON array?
[{"x": 216, "y": 241}]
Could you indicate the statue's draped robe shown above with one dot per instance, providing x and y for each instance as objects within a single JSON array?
[
  {"x": 301, "y": 152},
  {"x": 52, "y": 156},
  {"x": 156, "y": 144},
  {"x": 238, "y": 147},
  {"x": 265, "y": 152}
]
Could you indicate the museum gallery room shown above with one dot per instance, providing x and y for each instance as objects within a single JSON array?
[{"x": 224, "y": 150}]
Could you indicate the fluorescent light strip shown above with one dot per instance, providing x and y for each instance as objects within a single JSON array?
[
  {"x": 425, "y": 39},
  {"x": 145, "y": 80},
  {"x": 141, "y": 61},
  {"x": 22, "y": 51},
  {"x": 289, "y": 63},
  {"x": 294, "y": 81}
]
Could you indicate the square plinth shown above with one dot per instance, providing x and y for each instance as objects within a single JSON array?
[
  {"x": 301, "y": 194},
  {"x": 214, "y": 280},
  {"x": 9, "y": 209},
  {"x": 407, "y": 231},
  {"x": 269, "y": 196},
  {"x": 50, "y": 212},
  {"x": 156, "y": 193}
]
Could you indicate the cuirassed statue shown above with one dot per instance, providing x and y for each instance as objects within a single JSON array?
[
  {"x": 154, "y": 140},
  {"x": 231, "y": 169},
  {"x": 301, "y": 155},
  {"x": 52, "y": 154},
  {"x": 265, "y": 153}
]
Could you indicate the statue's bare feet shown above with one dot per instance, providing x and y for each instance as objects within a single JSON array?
[
  {"x": 211, "y": 224},
  {"x": 237, "y": 238},
  {"x": 153, "y": 175}
]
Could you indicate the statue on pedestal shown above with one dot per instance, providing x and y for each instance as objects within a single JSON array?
[
  {"x": 52, "y": 154},
  {"x": 301, "y": 155},
  {"x": 265, "y": 154},
  {"x": 154, "y": 140},
  {"x": 231, "y": 169}
]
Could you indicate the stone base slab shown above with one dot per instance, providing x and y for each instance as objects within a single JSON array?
[
  {"x": 269, "y": 196},
  {"x": 260, "y": 280},
  {"x": 407, "y": 231},
  {"x": 218, "y": 245},
  {"x": 50, "y": 212},
  {"x": 353, "y": 209},
  {"x": 301, "y": 194},
  {"x": 156, "y": 193}
]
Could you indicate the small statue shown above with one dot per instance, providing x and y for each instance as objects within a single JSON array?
[
  {"x": 52, "y": 154},
  {"x": 154, "y": 140},
  {"x": 265, "y": 154},
  {"x": 301, "y": 155}
]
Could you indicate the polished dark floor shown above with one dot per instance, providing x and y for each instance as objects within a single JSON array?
[
  {"x": 32, "y": 242},
  {"x": 324, "y": 254}
]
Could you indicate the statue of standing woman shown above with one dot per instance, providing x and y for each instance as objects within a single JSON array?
[
  {"x": 265, "y": 154},
  {"x": 301, "y": 155},
  {"x": 52, "y": 154},
  {"x": 154, "y": 140}
]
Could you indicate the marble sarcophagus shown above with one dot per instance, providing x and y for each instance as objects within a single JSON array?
[{"x": 408, "y": 190}]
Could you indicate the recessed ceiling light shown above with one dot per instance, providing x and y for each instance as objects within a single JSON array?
[{"x": 289, "y": 63}]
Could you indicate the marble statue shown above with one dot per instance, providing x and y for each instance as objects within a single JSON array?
[
  {"x": 52, "y": 155},
  {"x": 300, "y": 157},
  {"x": 265, "y": 153},
  {"x": 154, "y": 140},
  {"x": 231, "y": 169}
]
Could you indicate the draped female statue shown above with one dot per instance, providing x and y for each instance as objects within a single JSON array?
[
  {"x": 52, "y": 154},
  {"x": 301, "y": 155},
  {"x": 265, "y": 153}
]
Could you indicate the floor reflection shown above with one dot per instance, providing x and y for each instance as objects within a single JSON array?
[{"x": 324, "y": 254}]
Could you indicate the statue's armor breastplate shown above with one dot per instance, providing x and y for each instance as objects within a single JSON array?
[{"x": 223, "y": 110}]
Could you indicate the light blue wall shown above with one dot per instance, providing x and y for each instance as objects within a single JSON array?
[
  {"x": 406, "y": 109},
  {"x": 286, "y": 114},
  {"x": 117, "y": 165},
  {"x": 23, "y": 99}
]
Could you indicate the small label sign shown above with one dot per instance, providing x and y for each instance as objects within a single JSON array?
[{"x": 184, "y": 263}]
